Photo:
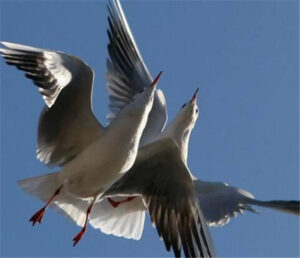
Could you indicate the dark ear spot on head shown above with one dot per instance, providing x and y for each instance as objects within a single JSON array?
[
  {"x": 197, "y": 110},
  {"x": 183, "y": 105}
]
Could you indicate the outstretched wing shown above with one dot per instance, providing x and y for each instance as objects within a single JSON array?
[
  {"x": 220, "y": 202},
  {"x": 164, "y": 182},
  {"x": 67, "y": 123},
  {"x": 127, "y": 74}
]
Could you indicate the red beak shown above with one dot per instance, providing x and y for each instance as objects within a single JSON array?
[
  {"x": 154, "y": 83},
  {"x": 194, "y": 98}
]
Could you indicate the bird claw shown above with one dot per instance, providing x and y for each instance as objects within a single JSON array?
[{"x": 37, "y": 217}]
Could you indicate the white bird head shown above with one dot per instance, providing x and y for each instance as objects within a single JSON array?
[
  {"x": 188, "y": 113},
  {"x": 181, "y": 127}
]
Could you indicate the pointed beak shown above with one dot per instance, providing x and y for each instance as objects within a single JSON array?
[
  {"x": 194, "y": 98},
  {"x": 154, "y": 83}
]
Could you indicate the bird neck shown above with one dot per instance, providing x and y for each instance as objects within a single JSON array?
[
  {"x": 181, "y": 135},
  {"x": 130, "y": 124}
]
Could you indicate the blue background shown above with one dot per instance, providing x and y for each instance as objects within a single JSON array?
[{"x": 244, "y": 57}]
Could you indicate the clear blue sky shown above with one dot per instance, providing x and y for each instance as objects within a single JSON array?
[{"x": 244, "y": 57}]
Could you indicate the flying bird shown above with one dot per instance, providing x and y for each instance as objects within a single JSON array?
[
  {"x": 123, "y": 211},
  {"x": 127, "y": 74},
  {"x": 125, "y": 217},
  {"x": 67, "y": 190},
  {"x": 70, "y": 136},
  {"x": 161, "y": 178}
]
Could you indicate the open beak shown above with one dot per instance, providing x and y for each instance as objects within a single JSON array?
[
  {"x": 194, "y": 98},
  {"x": 154, "y": 83}
]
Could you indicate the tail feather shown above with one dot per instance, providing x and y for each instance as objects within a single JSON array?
[
  {"x": 43, "y": 187},
  {"x": 127, "y": 220},
  {"x": 292, "y": 207}
]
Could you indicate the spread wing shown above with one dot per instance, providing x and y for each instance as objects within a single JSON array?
[
  {"x": 127, "y": 74},
  {"x": 164, "y": 182},
  {"x": 67, "y": 123},
  {"x": 220, "y": 202}
]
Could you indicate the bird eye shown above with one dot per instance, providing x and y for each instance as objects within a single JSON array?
[
  {"x": 197, "y": 110},
  {"x": 183, "y": 105}
]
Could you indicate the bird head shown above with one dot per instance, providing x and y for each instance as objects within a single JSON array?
[{"x": 188, "y": 113}]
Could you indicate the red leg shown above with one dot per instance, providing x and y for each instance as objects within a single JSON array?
[
  {"x": 77, "y": 238},
  {"x": 115, "y": 204},
  {"x": 37, "y": 217}
]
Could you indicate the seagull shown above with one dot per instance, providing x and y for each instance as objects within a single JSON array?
[
  {"x": 92, "y": 157},
  {"x": 178, "y": 217},
  {"x": 162, "y": 180},
  {"x": 124, "y": 217},
  {"x": 184, "y": 227},
  {"x": 127, "y": 75}
]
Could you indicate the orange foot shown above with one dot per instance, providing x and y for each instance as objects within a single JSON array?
[
  {"x": 77, "y": 238},
  {"x": 37, "y": 217}
]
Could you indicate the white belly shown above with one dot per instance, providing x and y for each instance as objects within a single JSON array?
[{"x": 96, "y": 168}]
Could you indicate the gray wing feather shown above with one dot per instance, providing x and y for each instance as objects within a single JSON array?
[
  {"x": 127, "y": 73},
  {"x": 162, "y": 179},
  {"x": 220, "y": 202},
  {"x": 67, "y": 123},
  {"x": 41, "y": 66}
]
